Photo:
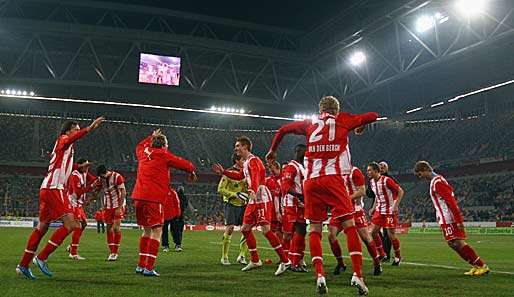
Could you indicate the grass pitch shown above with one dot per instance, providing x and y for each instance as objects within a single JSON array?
[{"x": 430, "y": 269}]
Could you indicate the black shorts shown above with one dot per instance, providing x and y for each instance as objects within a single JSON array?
[{"x": 234, "y": 214}]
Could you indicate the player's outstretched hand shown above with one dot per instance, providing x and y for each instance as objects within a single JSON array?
[
  {"x": 156, "y": 132},
  {"x": 271, "y": 156},
  {"x": 192, "y": 177},
  {"x": 359, "y": 130},
  {"x": 252, "y": 194},
  {"x": 217, "y": 168},
  {"x": 96, "y": 123}
]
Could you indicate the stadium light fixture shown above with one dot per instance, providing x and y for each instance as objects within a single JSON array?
[
  {"x": 32, "y": 93},
  {"x": 470, "y": 8},
  {"x": 427, "y": 22},
  {"x": 2, "y": 92},
  {"x": 357, "y": 58}
]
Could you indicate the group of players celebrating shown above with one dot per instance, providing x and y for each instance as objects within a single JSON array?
[{"x": 319, "y": 181}]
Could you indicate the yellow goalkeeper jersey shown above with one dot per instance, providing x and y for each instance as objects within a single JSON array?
[{"x": 228, "y": 188}]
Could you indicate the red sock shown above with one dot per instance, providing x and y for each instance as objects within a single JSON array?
[
  {"x": 469, "y": 255},
  {"x": 396, "y": 247},
  {"x": 286, "y": 245},
  {"x": 144, "y": 243},
  {"x": 379, "y": 246},
  {"x": 297, "y": 249},
  {"x": 252, "y": 246},
  {"x": 275, "y": 244},
  {"x": 30, "y": 250},
  {"x": 54, "y": 242},
  {"x": 116, "y": 242},
  {"x": 336, "y": 250},
  {"x": 316, "y": 252},
  {"x": 110, "y": 241},
  {"x": 153, "y": 249},
  {"x": 372, "y": 250},
  {"x": 355, "y": 249},
  {"x": 75, "y": 239}
]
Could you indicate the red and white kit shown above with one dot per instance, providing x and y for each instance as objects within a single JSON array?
[
  {"x": 447, "y": 211},
  {"x": 79, "y": 185},
  {"x": 327, "y": 159},
  {"x": 293, "y": 176},
  {"x": 112, "y": 197},
  {"x": 53, "y": 198},
  {"x": 273, "y": 183},
  {"x": 386, "y": 192},
  {"x": 354, "y": 180}
]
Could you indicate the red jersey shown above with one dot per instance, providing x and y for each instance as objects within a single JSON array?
[
  {"x": 353, "y": 181},
  {"x": 254, "y": 173},
  {"x": 153, "y": 171},
  {"x": 293, "y": 176},
  {"x": 445, "y": 204},
  {"x": 327, "y": 141},
  {"x": 112, "y": 191},
  {"x": 273, "y": 184},
  {"x": 78, "y": 185},
  {"x": 386, "y": 192},
  {"x": 61, "y": 161}
]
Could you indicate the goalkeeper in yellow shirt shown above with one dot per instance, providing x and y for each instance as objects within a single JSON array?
[{"x": 235, "y": 197}]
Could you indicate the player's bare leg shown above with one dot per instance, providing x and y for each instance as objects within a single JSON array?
[
  {"x": 31, "y": 248},
  {"x": 333, "y": 231},
  {"x": 225, "y": 244},
  {"x": 466, "y": 252},
  {"x": 355, "y": 250},
  {"x": 372, "y": 249},
  {"x": 391, "y": 232},
  {"x": 55, "y": 241}
]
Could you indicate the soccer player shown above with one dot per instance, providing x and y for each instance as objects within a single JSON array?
[
  {"x": 327, "y": 159},
  {"x": 385, "y": 208},
  {"x": 450, "y": 218},
  {"x": 80, "y": 183},
  {"x": 355, "y": 183},
  {"x": 385, "y": 246},
  {"x": 152, "y": 186},
  {"x": 53, "y": 200},
  {"x": 234, "y": 193},
  {"x": 273, "y": 183},
  {"x": 258, "y": 212},
  {"x": 114, "y": 201},
  {"x": 294, "y": 224}
]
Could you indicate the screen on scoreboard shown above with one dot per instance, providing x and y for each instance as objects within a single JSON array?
[{"x": 161, "y": 70}]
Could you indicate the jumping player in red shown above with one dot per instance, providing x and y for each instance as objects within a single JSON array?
[
  {"x": 450, "y": 218},
  {"x": 294, "y": 224},
  {"x": 80, "y": 183},
  {"x": 114, "y": 202},
  {"x": 53, "y": 200},
  {"x": 327, "y": 160},
  {"x": 273, "y": 184},
  {"x": 385, "y": 208},
  {"x": 151, "y": 191},
  {"x": 356, "y": 189},
  {"x": 258, "y": 211}
]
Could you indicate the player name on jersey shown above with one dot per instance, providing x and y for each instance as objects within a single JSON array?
[{"x": 324, "y": 148}]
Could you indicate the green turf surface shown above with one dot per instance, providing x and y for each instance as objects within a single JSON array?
[{"x": 196, "y": 271}]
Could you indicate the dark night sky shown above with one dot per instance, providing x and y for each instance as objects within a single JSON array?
[{"x": 300, "y": 14}]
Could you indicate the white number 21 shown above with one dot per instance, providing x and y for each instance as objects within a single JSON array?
[{"x": 320, "y": 124}]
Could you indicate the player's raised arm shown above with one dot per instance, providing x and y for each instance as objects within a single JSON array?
[{"x": 298, "y": 128}]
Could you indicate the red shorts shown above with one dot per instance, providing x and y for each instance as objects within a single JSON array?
[
  {"x": 79, "y": 214},
  {"x": 53, "y": 205},
  {"x": 149, "y": 214},
  {"x": 360, "y": 218},
  {"x": 326, "y": 191},
  {"x": 257, "y": 214},
  {"x": 110, "y": 215},
  {"x": 451, "y": 232},
  {"x": 384, "y": 220}
]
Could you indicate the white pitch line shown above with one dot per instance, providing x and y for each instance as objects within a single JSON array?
[{"x": 403, "y": 263}]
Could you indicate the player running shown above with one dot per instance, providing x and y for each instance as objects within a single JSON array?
[
  {"x": 114, "y": 202},
  {"x": 53, "y": 199},
  {"x": 450, "y": 218},
  {"x": 385, "y": 208},
  {"x": 327, "y": 159},
  {"x": 152, "y": 187},
  {"x": 258, "y": 210}
]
